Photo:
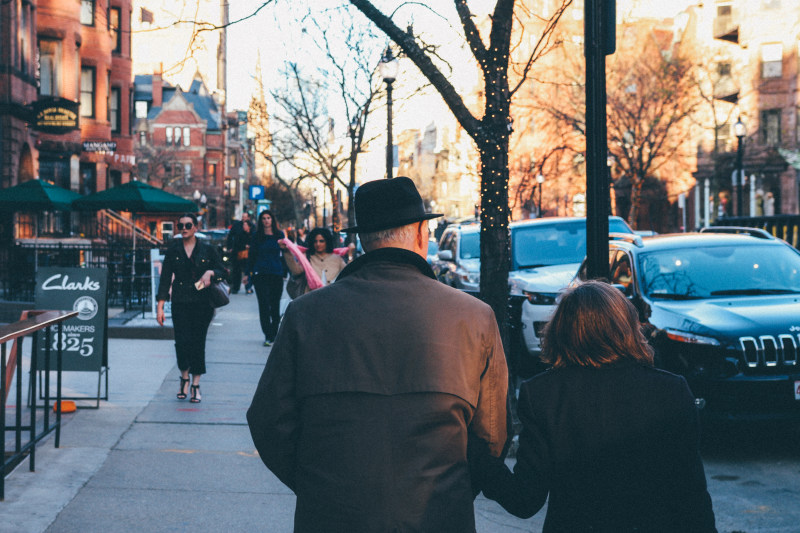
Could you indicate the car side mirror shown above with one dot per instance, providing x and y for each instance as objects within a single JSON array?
[{"x": 445, "y": 255}]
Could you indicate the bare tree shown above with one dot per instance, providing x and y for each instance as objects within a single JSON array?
[{"x": 491, "y": 129}]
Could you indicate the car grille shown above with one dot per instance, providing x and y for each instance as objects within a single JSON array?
[{"x": 768, "y": 351}]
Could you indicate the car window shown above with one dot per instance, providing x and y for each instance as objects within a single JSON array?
[
  {"x": 470, "y": 246},
  {"x": 548, "y": 244},
  {"x": 718, "y": 271}
]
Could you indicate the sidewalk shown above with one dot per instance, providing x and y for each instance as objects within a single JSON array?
[{"x": 146, "y": 461}]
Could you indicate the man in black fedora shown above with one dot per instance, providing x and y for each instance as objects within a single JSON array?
[{"x": 377, "y": 382}]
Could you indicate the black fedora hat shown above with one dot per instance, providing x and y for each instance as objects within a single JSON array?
[{"x": 385, "y": 204}]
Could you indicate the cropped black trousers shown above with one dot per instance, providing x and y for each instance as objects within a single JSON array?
[{"x": 190, "y": 323}]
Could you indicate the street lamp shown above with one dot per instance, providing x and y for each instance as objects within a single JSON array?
[
  {"x": 540, "y": 181},
  {"x": 740, "y": 131},
  {"x": 388, "y": 68}
]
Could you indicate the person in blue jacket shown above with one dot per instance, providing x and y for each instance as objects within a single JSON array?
[{"x": 267, "y": 271}]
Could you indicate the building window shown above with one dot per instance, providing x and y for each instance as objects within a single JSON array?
[
  {"x": 770, "y": 4},
  {"x": 724, "y": 69},
  {"x": 186, "y": 138},
  {"x": 211, "y": 177},
  {"x": 87, "y": 92},
  {"x": 114, "y": 29},
  {"x": 168, "y": 132},
  {"x": 187, "y": 173},
  {"x": 177, "y": 136},
  {"x": 771, "y": 60},
  {"x": 771, "y": 127},
  {"x": 115, "y": 116},
  {"x": 87, "y": 12},
  {"x": 49, "y": 64},
  {"x": 142, "y": 138},
  {"x": 140, "y": 108}
]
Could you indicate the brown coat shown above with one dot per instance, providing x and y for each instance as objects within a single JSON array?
[{"x": 371, "y": 391}]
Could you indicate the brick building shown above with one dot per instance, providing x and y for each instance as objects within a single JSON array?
[{"x": 181, "y": 142}]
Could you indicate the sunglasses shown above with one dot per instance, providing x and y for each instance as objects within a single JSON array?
[{"x": 181, "y": 226}]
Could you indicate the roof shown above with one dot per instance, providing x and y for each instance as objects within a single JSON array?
[{"x": 197, "y": 95}]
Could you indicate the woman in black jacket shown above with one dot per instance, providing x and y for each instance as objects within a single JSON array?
[
  {"x": 267, "y": 271},
  {"x": 194, "y": 265},
  {"x": 611, "y": 440}
]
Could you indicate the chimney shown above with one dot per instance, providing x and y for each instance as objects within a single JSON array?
[{"x": 158, "y": 86}]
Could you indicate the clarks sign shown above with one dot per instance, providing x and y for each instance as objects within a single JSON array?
[{"x": 55, "y": 115}]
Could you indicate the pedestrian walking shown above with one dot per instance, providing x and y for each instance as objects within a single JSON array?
[
  {"x": 321, "y": 257},
  {"x": 610, "y": 441},
  {"x": 377, "y": 382},
  {"x": 189, "y": 267},
  {"x": 237, "y": 243},
  {"x": 267, "y": 271}
]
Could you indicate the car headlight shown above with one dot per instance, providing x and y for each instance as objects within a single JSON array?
[
  {"x": 541, "y": 298},
  {"x": 690, "y": 338}
]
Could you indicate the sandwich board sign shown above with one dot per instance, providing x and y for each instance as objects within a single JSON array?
[{"x": 85, "y": 342}]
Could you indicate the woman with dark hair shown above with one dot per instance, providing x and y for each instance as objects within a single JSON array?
[
  {"x": 611, "y": 440},
  {"x": 189, "y": 267},
  {"x": 320, "y": 254},
  {"x": 267, "y": 271}
]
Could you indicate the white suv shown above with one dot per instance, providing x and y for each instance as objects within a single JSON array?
[{"x": 545, "y": 255}]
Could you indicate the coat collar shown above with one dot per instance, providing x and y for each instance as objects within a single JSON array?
[{"x": 391, "y": 255}]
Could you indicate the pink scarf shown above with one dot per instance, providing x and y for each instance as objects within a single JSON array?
[{"x": 299, "y": 253}]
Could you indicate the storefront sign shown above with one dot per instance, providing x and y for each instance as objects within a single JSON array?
[
  {"x": 55, "y": 115},
  {"x": 84, "y": 340},
  {"x": 100, "y": 146}
]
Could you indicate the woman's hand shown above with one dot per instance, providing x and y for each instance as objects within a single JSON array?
[
  {"x": 206, "y": 279},
  {"x": 282, "y": 245},
  {"x": 160, "y": 313}
]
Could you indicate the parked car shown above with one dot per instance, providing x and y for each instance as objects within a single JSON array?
[
  {"x": 545, "y": 256},
  {"x": 722, "y": 310},
  {"x": 433, "y": 250},
  {"x": 458, "y": 262}
]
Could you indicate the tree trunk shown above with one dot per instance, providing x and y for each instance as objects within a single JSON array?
[
  {"x": 494, "y": 230},
  {"x": 636, "y": 202},
  {"x": 336, "y": 220},
  {"x": 351, "y": 191}
]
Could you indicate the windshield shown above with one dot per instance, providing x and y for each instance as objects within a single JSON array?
[
  {"x": 719, "y": 271},
  {"x": 470, "y": 246},
  {"x": 559, "y": 243}
]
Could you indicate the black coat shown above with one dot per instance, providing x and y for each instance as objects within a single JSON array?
[
  {"x": 187, "y": 271},
  {"x": 615, "y": 448}
]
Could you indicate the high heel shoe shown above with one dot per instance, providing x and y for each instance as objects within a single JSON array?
[
  {"x": 182, "y": 393},
  {"x": 196, "y": 394}
]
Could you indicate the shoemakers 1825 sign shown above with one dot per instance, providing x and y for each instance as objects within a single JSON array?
[
  {"x": 75, "y": 289},
  {"x": 55, "y": 115}
]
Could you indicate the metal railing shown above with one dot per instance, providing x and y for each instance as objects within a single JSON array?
[
  {"x": 786, "y": 227},
  {"x": 11, "y": 365},
  {"x": 128, "y": 271}
]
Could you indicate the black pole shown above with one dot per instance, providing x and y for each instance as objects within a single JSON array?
[
  {"x": 389, "y": 146},
  {"x": 599, "y": 41},
  {"x": 739, "y": 163},
  {"x": 540, "y": 199}
]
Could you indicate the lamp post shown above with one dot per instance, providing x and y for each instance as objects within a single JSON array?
[
  {"x": 540, "y": 182},
  {"x": 388, "y": 68},
  {"x": 241, "y": 192},
  {"x": 740, "y": 131}
]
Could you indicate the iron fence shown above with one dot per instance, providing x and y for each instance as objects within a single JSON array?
[
  {"x": 786, "y": 227},
  {"x": 128, "y": 272}
]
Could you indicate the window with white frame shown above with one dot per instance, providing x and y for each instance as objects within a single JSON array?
[
  {"x": 186, "y": 138},
  {"x": 168, "y": 133},
  {"x": 178, "y": 136},
  {"x": 114, "y": 115},
  {"x": 87, "y": 91},
  {"x": 771, "y": 127},
  {"x": 49, "y": 67},
  {"x": 771, "y": 60},
  {"x": 87, "y": 12}
]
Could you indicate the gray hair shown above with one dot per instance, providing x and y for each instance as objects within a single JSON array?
[{"x": 377, "y": 238}]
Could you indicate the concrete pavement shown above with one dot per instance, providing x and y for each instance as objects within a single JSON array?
[{"x": 146, "y": 461}]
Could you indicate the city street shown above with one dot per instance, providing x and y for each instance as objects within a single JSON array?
[{"x": 147, "y": 462}]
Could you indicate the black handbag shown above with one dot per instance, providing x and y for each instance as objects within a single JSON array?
[
  {"x": 219, "y": 294},
  {"x": 296, "y": 286}
]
